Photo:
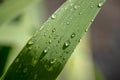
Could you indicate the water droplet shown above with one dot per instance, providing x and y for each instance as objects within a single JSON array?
[
  {"x": 75, "y": 7},
  {"x": 100, "y": 4},
  {"x": 30, "y": 42},
  {"x": 86, "y": 29},
  {"x": 17, "y": 60},
  {"x": 25, "y": 70},
  {"x": 65, "y": 8},
  {"x": 46, "y": 50},
  {"x": 50, "y": 41},
  {"x": 73, "y": 35},
  {"x": 80, "y": 13},
  {"x": 91, "y": 6},
  {"x": 53, "y": 61},
  {"x": 67, "y": 43},
  {"x": 92, "y": 20},
  {"x": 54, "y": 30},
  {"x": 53, "y": 16},
  {"x": 68, "y": 23}
]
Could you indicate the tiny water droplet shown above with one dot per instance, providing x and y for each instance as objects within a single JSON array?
[
  {"x": 92, "y": 20},
  {"x": 50, "y": 41},
  {"x": 68, "y": 23},
  {"x": 91, "y": 6},
  {"x": 65, "y": 8},
  {"x": 86, "y": 30},
  {"x": 73, "y": 35},
  {"x": 54, "y": 30},
  {"x": 25, "y": 70},
  {"x": 53, "y": 61},
  {"x": 53, "y": 16},
  {"x": 80, "y": 13},
  {"x": 100, "y": 4},
  {"x": 75, "y": 7},
  {"x": 30, "y": 42}
]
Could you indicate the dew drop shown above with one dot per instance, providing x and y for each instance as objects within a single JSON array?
[
  {"x": 50, "y": 41},
  {"x": 30, "y": 42},
  {"x": 54, "y": 30},
  {"x": 73, "y": 35},
  {"x": 80, "y": 13},
  {"x": 53, "y": 61},
  {"x": 53, "y": 16},
  {"x": 46, "y": 50},
  {"x": 68, "y": 23},
  {"x": 75, "y": 7},
  {"x": 67, "y": 43},
  {"x": 100, "y": 4}
]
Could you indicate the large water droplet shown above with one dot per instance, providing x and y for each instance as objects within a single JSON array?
[
  {"x": 66, "y": 44},
  {"x": 73, "y": 35}
]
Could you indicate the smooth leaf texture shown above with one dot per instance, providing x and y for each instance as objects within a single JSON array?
[{"x": 46, "y": 53}]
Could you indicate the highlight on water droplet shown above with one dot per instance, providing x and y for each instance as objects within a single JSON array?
[
  {"x": 53, "y": 30},
  {"x": 53, "y": 61},
  {"x": 46, "y": 50},
  {"x": 66, "y": 44},
  {"x": 53, "y": 16},
  {"x": 100, "y": 4},
  {"x": 68, "y": 23},
  {"x": 73, "y": 35},
  {"x": 30, "y": 42}
]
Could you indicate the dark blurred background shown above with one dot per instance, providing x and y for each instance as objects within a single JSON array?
[{"x": 105, "y": 38}]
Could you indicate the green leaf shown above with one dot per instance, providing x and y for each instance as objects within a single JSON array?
[{"x": 46, "y": 53}]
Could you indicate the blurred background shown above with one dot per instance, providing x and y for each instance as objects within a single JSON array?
[{"x": 95, "y": 58}]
